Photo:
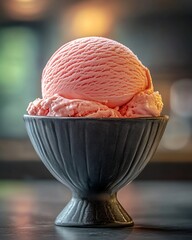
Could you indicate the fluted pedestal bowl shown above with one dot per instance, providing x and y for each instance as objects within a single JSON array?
[{"x": 95, "y": 158}]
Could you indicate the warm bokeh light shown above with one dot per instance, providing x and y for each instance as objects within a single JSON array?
[
  {"x": 88, "y": 19},
  {"x": 91, "y": 21},
  {"x": 26, "y": 9}
]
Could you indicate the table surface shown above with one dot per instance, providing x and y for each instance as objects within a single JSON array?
[{"x": 160, "y": 210}]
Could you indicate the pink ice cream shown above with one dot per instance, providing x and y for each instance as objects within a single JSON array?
[{"x": 96, "y": 77}]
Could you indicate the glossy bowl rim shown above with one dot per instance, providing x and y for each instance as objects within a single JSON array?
[{"x": 26, "y": 116}]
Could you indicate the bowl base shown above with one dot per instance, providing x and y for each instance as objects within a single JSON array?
[{"x": 84, "y": 212}]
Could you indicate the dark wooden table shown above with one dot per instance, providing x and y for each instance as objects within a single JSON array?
[{"x": 160, "y": 210}]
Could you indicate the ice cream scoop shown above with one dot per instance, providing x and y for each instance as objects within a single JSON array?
[{"x": 99, "y": 70}]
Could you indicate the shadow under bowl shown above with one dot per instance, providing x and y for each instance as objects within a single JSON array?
[{"x": 95, "y": 158}]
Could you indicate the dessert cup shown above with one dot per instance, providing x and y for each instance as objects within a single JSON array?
[{"x": 95, "y": 158}]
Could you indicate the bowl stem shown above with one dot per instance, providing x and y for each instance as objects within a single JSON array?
[{"x": 98, "y": 210}]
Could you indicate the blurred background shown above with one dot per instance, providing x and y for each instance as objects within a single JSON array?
[{"x": 159, "y": 32}]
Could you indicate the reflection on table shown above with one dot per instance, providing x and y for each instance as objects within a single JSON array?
[{"x": 160, "y": 210}]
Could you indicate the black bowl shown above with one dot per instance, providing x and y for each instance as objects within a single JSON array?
[{"x": 95, "y": 158}]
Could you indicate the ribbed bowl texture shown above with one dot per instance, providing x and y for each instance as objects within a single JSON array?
[{"x": 94, "y": 157}]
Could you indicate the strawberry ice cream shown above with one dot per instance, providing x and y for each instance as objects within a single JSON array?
[{"x": 96, "y": 77}]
